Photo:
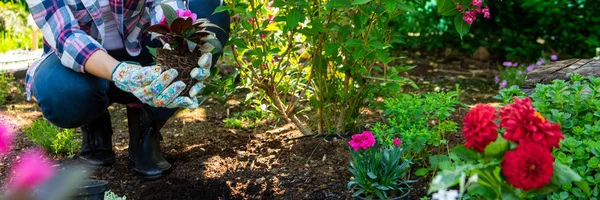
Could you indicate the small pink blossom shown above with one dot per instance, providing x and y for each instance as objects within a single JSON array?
[
  {"x": 362, "y": 141},
  {"x": 31, "y": 170},
  {"x": 163, "y": 21},
  {"x": 186, "y": 14},
  {"x": 497, "y": 79},
  {"x": 554, "y": 57},
  {"x": 470, "y": 17},
  {"x": 486, "y": 12},
  {"x": 397, "y": 142},
  {"x": 476, "y": 3},
  {"x": 515, "y": 64},
  {"x": 530, "y": 68},
  {"x": 478, "y": 11},
  {"x": 459, "y": 8},
  {"x": 507, "y": 63},
  {"x": 6, "y": 139}
]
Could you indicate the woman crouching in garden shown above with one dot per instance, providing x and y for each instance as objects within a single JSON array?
[{"x": 95, "y": 54}]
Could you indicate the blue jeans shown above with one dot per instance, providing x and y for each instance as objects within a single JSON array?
[{"x": 69, "y": 99}]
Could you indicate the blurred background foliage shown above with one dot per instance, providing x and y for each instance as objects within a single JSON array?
[
  {"x": 519, "y": 30},
  {"x": 14, "y": 30}
]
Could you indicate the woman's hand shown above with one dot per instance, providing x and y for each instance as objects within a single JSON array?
[{"x": 151, "y": 85}]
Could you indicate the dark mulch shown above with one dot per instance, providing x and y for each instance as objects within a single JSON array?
[{"x": 212, "y": 162}]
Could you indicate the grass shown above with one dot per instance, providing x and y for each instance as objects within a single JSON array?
[{"x": 53, "y": 139}]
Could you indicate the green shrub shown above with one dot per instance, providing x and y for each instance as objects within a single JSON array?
[
  {"x": 576, "y": 106},
  {"x": 520, "y": 30},
  {"x": 420, "y": 120},
  {"x": 53, "y": 139},
  {"x": 8, "y": 86}
]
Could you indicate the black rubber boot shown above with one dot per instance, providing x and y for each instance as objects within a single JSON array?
[
  {"x": 96, "y": 144},
  {"x": 144, "y": 145}
]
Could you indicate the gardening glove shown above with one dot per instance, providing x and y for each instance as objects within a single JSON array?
[
  {"x": 200, "y": 73},
  {"x": 149, "y": 85}
]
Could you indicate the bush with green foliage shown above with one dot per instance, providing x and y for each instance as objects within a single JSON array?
[
  {"x": 53, "y": 139},
  {"x": 576, "y": 106},
  {"x": 520, "y": 30},
  {"x": 8, "y": 86},
  {"x": 246, "y": 119},
  {"x": 420, "y": 120},
  {"x": 14, "y": 32}
]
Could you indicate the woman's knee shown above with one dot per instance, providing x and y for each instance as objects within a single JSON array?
[{"x": 67, "y": 98}]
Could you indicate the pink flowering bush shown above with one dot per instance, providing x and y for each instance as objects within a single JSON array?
[
  {"x": 378, "y": 168},
  {"x": 464, "y": 12},
  {"x": 31, "y": 170},
  {"x": 6, "y": 138}
]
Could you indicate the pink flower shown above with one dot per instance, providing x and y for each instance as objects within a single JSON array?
[
  {"x": 459, "y": 8},
  {"x": 364, "y": 141},
  {"x": 515, "y": 64},
  {"x": 497, "y": 79},
  {"x": 397, "y": 142},
  {"x": 6, "y": 139},
  {"x": 478, "y": 11},
  {"x": 470, "y": 17},
  {"x": 31, "y": 170},
  {"x": 476, "y": 3},
  {"x": 163, "y": 21},
  {"x": 530, "y": 68},
  {"x": 554, "y": 57},
  {"x": 486, "y": 12},
  {"x": 507, "y": 63},
  {"x": 186, "y": 14}
]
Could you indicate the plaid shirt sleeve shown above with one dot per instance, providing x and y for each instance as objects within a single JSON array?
[{"x": 62, "y": 32}]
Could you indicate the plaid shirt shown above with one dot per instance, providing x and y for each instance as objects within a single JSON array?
[{"x": 74, "y": 29}]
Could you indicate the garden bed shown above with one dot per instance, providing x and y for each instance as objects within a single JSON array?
[{"x": 213, "y": 162}]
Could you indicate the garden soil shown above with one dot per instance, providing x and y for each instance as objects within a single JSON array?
[{"x": 272, "y": 161}]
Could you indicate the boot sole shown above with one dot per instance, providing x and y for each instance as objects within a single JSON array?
[{"x": 146, "y": 176}]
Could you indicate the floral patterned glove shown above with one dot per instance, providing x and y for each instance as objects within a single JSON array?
[
  {"x": 149, "y": 85},
  {"x": 201, "y": 73}
]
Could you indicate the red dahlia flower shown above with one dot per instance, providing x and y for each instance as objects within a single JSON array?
[
  {"x": 529, "y": 166},
  {"x": 523, "y": 123},
  {"x": 479, "y": 128}
]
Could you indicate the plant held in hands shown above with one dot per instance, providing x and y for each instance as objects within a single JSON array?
[
  {"x": 515, "y": 164},
  {"x": 185, "y": 39},
  {"x": 377, "y": 168}
]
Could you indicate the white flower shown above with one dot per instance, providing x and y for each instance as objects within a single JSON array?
[{"x": 445, "y": 195}]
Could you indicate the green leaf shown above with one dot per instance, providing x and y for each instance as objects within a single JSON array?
[
  {"x": 215, "y": 43},
  {"x": 239, "y": 43},
  {"x": 446, "y": 8},
  {"x": 371, "y": 175},
  {"x": 360, "y": 2},
  {"x": 152, "y": 51},
  {"x": 407, "y": 8},
  {"x": 339, "y": 4},
  {"x": 331, "y": 49},
  {"x": 220, "y": 9},
  {"x": 353, "y": 43},
  {"x": 294, "y": 17},
  {"x": 584, "y": 186},
  {"x": 564, "y": 175},
  {"x": 465, "y": 153},
  {"x": 497, "y": 148},
  {"x": 462, "y": 27},
  {"x": 390, "y": 5},
  {"x": 422, "y": 172},
  {"x": 169, "y": 13}
]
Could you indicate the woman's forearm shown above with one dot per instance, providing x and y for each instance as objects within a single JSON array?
[{"x": 101, "y": 64}]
